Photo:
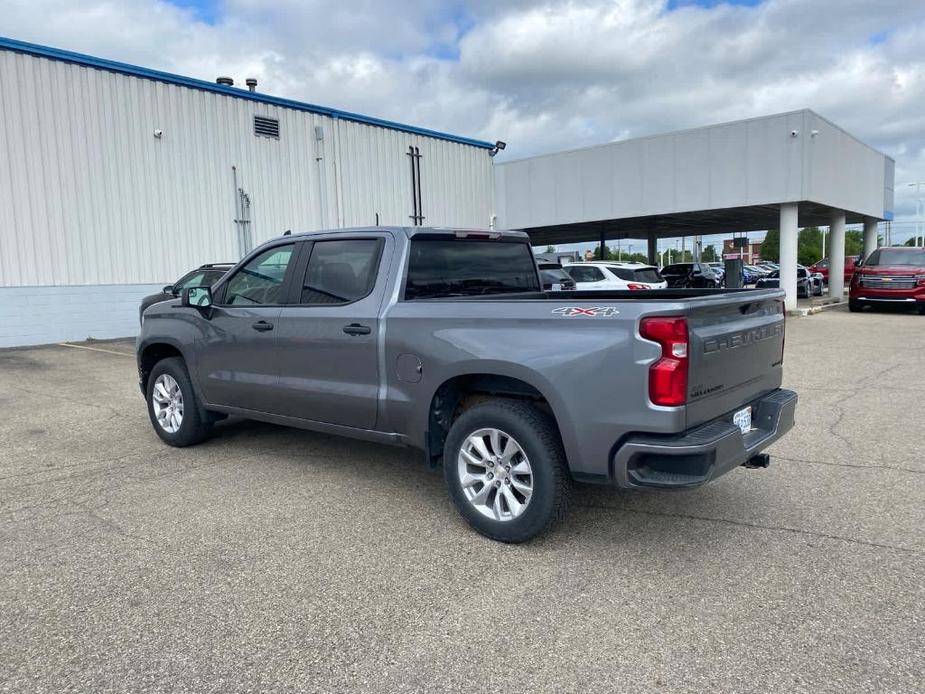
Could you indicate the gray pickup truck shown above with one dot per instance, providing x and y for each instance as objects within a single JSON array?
[{"x": 442, "y": 340}]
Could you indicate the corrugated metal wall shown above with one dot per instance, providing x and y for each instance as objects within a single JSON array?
[{"x": 89, "y": 196}]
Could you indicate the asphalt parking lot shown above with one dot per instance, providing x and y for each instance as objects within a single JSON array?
[{"x": 272, "y": 559}]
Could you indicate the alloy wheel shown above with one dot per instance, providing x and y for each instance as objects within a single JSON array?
[
  {"x": 495, "y": 474},
  {"x": 167, "y": 401}
]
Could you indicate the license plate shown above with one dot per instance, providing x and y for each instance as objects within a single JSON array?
[{"x": 743, "y": 420}]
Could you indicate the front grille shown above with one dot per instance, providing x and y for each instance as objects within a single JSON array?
[{"x": 888, "y": 281}]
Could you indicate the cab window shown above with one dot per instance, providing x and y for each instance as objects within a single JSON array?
[
  {"x": 260, "y": 281},
  {"x": 340, "y": 272}
]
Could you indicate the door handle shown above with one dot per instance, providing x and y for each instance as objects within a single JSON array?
[
  {"x": 262, "y": 326},
  {"x": 357, "y": 329}
]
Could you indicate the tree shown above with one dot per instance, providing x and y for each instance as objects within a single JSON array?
[
  {"x": 607, "y": 254},
  {"x": 854, "y": 242},
  {"x": 809, "y": 245},
  {"x": 709, "y": 254},
  {"x": 770, "y": 247},
  {"x": 550, "y": 249}
]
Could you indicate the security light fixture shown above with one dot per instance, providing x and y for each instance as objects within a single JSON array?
[{"x": 499, "y": 145}]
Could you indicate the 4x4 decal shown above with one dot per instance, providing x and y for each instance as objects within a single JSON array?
[{"x": 573, "y": 311}]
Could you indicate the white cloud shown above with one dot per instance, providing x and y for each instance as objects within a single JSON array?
[{"x": 540, "y": 75}]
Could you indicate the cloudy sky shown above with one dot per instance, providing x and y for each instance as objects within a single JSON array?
[{"x": 541, "y": 76}]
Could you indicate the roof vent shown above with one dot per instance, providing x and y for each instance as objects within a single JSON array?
[
  {"x": 227, "y": 81},
  {"x": 251, "y": 83},
  {"x": 266, "y": 127}
]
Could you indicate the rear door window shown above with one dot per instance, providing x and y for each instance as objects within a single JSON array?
[
  {"x": 340, "y": 272},
  {"x": 467, "y": 267}
]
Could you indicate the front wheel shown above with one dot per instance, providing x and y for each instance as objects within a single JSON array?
[
  {"x": 172, "y": 405},
  {"x": 855, "y": 306},
  {"x": 505, "y": 470}
]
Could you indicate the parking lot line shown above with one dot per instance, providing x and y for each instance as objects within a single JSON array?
[{"x": 95, "y": 349}]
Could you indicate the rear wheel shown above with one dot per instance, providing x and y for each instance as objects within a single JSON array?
[
  {"x": 505, "y": 470},
  {"x": 172, "y": 405}
]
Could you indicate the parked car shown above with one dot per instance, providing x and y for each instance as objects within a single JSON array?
[
  {"x": 893, "y": 276},
  {"x": 759, "y": 271},
  {"x": 750, "y": 276},
  {"x": 822, "y": 267},
  {"x": 443, "y": 341},
  {"x": 554, "y": 278},
  {"x": 818, "y": 284},
  {"x": 203, "y": 275},
  {"x": 692, "y": 275},
  {"x": 720, "y": 269},
  {"x": 612, "y": 275},
  {"x": 808, "y": 284}
]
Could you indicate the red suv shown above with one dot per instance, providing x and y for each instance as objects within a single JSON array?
[
  {"x": 891, "y": 276},
  {"x": 822, "y": 267}
]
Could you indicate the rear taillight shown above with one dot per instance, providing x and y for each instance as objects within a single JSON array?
[
  {"x": 668, "y": 374},
  {"x": 634, "y": 285}
]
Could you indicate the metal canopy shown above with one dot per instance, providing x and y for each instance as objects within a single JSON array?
[
  {"x": 700, "y": 222},
  {"x": 716, "y": 179}
]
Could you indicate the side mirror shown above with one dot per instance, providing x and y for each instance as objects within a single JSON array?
[
  {"x": 196, "y": 297},
  {"x": 169, "y": 289},
  {"x": 859, "y": 262}
]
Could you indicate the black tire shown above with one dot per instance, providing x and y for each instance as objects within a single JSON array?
[
  {"x": 193, "y": 427},
  {"x": 536, "y": 433},
  {"x": 855, "y": 306}
]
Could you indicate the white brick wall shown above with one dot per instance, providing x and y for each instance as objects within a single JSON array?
[{"x": 42, "y": 315}]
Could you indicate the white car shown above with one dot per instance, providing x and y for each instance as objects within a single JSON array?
[{"x": 610, "y": 275}]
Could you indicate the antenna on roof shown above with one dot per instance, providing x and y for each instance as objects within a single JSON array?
[{"x": 288, "y": 232}]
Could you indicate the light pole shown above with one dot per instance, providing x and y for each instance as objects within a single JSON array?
[{"x": 919, "y": 208}]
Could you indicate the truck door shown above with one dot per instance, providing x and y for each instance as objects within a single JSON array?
[
  {"x": 327, "y": 343},
  {"x": 235, "y": 363}
]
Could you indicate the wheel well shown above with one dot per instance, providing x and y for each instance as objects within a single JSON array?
[
  {"x": 153, "y": 354},
  {"x": 462, "y": 392}
]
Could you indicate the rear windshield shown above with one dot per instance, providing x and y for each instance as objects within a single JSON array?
[
  {"x": 647, "y": 274},
  {"x": 677, "y": 269},
  {"x": 555, "y": 275},
  {"x": 467, "y": 267},
  {"x": 890, "y": 256}
]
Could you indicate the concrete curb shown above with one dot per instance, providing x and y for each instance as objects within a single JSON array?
[{"x": 811, "y": 310}]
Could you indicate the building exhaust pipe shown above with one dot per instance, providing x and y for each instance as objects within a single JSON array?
[
  {"x": 226, "y": 81},
  {"x": 251, "y": 83},
  {"x": 761, "y": 460}
]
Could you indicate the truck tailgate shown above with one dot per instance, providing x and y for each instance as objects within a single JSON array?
[{"x": 736, "y": 345}]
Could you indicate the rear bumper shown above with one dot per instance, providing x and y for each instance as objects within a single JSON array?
[{"x": 702, "y": 454}]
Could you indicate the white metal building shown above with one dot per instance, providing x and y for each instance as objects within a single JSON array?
[{"x": 116, "y": 179}]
